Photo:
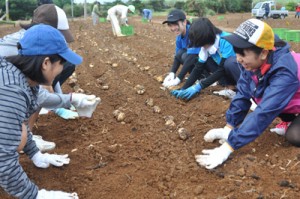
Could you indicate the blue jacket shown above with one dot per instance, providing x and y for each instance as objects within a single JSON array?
[
  {"x": 147, "y": 14},
  {"x": 274, "y": 93},
  {"x": 225, "y": 49},
  {"x": 183, "y": 43}
]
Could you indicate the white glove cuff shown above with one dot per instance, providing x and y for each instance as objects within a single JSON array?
[
  {"x": 226, "y": 149},
  {"x": 203, "y": 55},
  {"x": 167, "y": 81},
  {"x": 171, "y": 75},
  {"x": 88, "y": 110},
  {"x": 175, "y": 82},
  {"x": 212, "y": 50},
  {"x": 42, "y": 194},
  {"x": 37, "y": 156},
  {"x": 227, "y": 130}
]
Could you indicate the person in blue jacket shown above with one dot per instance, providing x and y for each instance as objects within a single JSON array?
[
  {"x": 216, "y": 57},
  {"x": 147, "y": 14},
  {"x": 185, "y": 53},
  {"x": 270, "y": 75}
]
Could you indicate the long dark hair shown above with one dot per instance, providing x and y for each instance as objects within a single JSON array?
[
  {"x": 202, "y": 32},
  {"x": 31, "y": 66}
]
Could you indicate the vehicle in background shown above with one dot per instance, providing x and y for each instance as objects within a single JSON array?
[{"x": 259, "y": 11}]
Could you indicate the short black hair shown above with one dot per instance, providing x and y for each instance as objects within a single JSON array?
[
  {"x": 31, "y": 66},
  {"x": 203, "y": 32},
  {"x": 240, "y": 51}
]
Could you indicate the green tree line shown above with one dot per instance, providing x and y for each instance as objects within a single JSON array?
[{"x": 23, "y": 9}]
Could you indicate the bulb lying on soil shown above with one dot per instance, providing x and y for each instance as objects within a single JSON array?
[
  {"x": 156, "y": 109},
  {"x": 139, "y": 89},
  {"x": 183, "y": 133},
  {"x": 150, "y": 102},
  {"x": 120, "y": 116}
]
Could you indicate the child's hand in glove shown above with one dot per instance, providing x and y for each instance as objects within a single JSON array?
[
  {"x": 44, "y": 194},
  {"x": 44, "y": 160},
  {"x": 85, "y": 104}
]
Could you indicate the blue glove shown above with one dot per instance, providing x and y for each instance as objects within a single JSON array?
[
  {"x": 190, "y": 92},
  {"x": 177, "y": 93},
  {"x": 66, "y": 114}
]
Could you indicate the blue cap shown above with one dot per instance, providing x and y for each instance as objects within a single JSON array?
[{"x": 45, "y": 40}]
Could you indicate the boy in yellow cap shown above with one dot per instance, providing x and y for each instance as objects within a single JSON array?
[{"x": 270, "y": 76}]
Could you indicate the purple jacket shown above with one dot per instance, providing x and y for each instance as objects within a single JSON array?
[{"x": 277, "y": 91}]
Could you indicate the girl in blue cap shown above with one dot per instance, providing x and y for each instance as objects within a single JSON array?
[
  {"x": 185, "y": 53},
  {"x": 42, "y": 53},
  {"x": 57, "y": 101},
  {"x": 270, "y": 75},
  {"x": 216, "y": 57}
]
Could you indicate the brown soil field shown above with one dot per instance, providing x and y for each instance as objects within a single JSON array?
[{"x": 142, "y": 157}]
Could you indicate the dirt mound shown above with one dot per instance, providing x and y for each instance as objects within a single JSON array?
[{"x": 142, "y": 155}]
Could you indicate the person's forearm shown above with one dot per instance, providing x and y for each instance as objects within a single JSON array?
[{"x": 53, "y": 100}]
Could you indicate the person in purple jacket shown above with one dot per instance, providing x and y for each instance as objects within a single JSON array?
[
  {"x": 185, "y": 53},
  {"x": 270, "y": 76}
]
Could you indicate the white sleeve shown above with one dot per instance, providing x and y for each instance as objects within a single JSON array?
[
  {"x": 8, "y": 44},
  {"x": 124, "y": 11}
]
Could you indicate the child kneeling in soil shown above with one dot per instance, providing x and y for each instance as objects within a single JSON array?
[
  {"x": 270, "y": 75},
  {"x": 216, "y": 59},
  {"x": 42, "y": 53},
  {"x": 185, "y": 53}
]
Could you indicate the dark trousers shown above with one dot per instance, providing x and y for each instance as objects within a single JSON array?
[
  {"x": 188, "y": 62},
  {"x": 178, "y": 59},
  {"x": 232, "y": 70},
  {"x": 188, "y": 65}
]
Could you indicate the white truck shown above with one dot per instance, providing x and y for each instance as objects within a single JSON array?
[{"x": 259, "y": 10}]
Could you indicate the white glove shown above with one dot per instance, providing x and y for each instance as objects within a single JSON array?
[
  {"x": 44, "y": 194},
  {"x": 253, "y": 105},
  {"x": 85, "y": 104},
  {"x": 226, "y": 92},
  {"x": 203, "y": 55},
  {"x": 212, "y": 158},
  {"x": 278, "y": 131},
  {"x": 219, "y": 133},
  {"x": 172, "y": 82},
  {"x": 168, "y": 78},
  {"x": 43, "y": 160},
  {"x": 212, "y": 50},
  {"x": 66, "y": 114},
  {"x": 280, "y": 128}
]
